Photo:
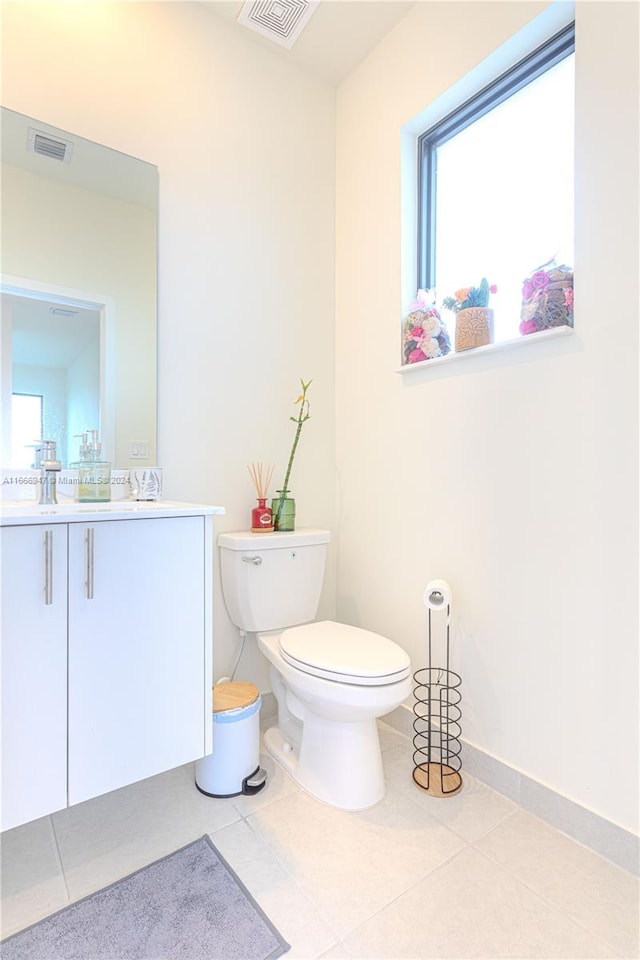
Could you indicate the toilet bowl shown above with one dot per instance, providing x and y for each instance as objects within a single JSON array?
[
  {"x": 327, "y": 736},
  {"x": 331, "y": 681}
]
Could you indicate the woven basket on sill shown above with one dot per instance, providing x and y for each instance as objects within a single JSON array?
[{"x": 550, "y": 309}]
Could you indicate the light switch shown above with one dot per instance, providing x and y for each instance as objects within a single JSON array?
[{"x": 139, "y": 450}]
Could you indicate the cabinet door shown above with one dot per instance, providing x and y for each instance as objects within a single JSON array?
[
  {"x": 136, "y": 650},
  {"x": 34, "y": 672}
]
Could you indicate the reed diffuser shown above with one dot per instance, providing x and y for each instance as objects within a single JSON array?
[{"x": 261, "y": 516}]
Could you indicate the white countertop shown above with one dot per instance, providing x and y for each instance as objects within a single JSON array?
[{"x": 19, "y": 512}]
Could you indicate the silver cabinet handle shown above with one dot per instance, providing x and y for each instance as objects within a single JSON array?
[
  {"x": 48, "y": 567},
  {"x": 256, "y": 560},
  {"x": 89, "y": 542}
]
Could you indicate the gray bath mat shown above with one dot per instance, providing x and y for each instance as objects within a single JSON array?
[{"x": 188, "y": 906}]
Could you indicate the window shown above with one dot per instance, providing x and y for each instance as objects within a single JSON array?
[
  {"x": 496, "y": 184},
  {"x": 26, "y": 428}
]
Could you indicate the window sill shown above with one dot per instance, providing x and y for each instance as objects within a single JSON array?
[{"x": 490, "y": 348}]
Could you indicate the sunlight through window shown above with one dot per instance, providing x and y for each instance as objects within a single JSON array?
[
  {"x": 497, "y": 188},
  {"x": 26, "y": 428}
]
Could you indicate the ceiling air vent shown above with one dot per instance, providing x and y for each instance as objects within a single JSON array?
[
  {"x": 279, "y": 20},
  {"x": 49, "y": 146}
]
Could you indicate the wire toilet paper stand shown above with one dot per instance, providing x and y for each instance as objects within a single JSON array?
[{"x": 437, "y": 722}]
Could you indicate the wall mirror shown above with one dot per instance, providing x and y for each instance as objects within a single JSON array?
[{"x": 79, "y": 295}]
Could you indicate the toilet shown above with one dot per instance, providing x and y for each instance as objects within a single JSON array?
[{"x": 331, "y": 681}]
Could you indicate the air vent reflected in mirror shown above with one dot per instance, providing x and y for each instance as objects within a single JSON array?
[{"x": 38, "y": 142}]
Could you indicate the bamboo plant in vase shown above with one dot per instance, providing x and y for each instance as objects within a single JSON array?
[
  {"x": 283, "y": 506},
  {"x": 474, "y": 318},
  {"x": 261, "y": 516}
]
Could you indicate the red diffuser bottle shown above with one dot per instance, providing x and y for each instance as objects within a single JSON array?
[{"x": 261, "y": 516}]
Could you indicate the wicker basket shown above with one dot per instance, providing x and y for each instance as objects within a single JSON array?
[
  {"x": 474, "y": 328},
  {"x": 550, "y": 309}
]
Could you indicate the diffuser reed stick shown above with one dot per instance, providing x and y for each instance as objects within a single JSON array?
[{"x": 261, "y": 477}]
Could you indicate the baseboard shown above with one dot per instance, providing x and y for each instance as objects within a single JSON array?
[
  {"x": 269, "y": 706},
  {"x": 600, "y": 835}
]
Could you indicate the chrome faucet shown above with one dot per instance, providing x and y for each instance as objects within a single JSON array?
[{"x": 48, "y": 465}]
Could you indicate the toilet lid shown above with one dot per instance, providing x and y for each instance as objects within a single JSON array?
[{"x": 346, "y": 654}]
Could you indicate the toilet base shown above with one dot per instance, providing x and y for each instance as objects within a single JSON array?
[{"x": 337, "y": 763}]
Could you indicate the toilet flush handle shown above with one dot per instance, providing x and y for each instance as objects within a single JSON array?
[{"x": 256, "y": 560}]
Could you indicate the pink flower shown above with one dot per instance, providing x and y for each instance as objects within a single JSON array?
[
  {"x": 426, "y": 298},
  {"x": 493, "y": 288},
  {"x": 535, "y": 285},
  {"x": 416, "y": 356},
  {"x": 528, "y": 326},
  {"x": 568, "y": 298}
]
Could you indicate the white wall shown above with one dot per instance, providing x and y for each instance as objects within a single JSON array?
[
  {"x": 245, "y": 146},
  {"x": 513, "y": 477},
  {"x": 82, "y": 400}
]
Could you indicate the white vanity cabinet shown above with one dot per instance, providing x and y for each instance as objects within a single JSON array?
[
  {"x": 106, "y": 654},
  {"x": 136, "y": 650},
  {"x": 34, "y": 672}
]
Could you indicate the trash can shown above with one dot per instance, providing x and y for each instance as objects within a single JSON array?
[{"x": 233, "y": 766}]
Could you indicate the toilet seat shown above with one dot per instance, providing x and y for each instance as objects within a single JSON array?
[{"x": 344, "y": 654}]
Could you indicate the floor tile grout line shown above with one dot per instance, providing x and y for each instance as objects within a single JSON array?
[
  {"x": 341, "y": 945},
  {"x": 294, "y": 879},
  {"x": 430, "y": 873},
  {"x": 466, "y": 844},
  {"x": 443, "y": 823},
  {"x": 263, "y": 805},
  {"x": 494, "y": 826},
  {"x": 518, "y": 808},
  {"x": 473, "y": 844},
  {"x": 573, "y": 840},
  {"x": 555, "y": 906},
  {"x": 59, "y": 855}
]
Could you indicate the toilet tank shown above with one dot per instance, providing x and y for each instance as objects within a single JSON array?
[{"x": 271, "y": 581}]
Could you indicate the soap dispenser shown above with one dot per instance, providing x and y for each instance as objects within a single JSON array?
[
  {"x": 94, "y": 473},
  {"x": 83, "y": 452}
]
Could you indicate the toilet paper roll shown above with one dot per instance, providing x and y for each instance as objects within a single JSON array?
[{"x": 437, "y": 596}]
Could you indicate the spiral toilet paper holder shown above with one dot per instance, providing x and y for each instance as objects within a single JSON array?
[{"x": 437, "y": 712}]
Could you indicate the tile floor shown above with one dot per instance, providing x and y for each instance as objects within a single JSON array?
[{"x": 414, "y": 877}]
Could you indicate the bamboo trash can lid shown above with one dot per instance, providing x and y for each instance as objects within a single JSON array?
[{"x": 232, "y": 696}]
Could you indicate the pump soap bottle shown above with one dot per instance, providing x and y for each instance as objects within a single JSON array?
[
  {"x": 94, "y": 473},
  {"x": 83, "y": 452}
]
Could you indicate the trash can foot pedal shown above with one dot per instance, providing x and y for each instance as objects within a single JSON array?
[{"x": 255, "y": 781}]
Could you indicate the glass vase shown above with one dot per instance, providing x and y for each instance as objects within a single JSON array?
[{"x": 283, "y": 508}]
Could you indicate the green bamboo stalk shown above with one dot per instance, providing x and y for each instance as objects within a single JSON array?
[{"x": 302, "y": 417}]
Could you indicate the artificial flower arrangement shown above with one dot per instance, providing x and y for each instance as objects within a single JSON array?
[
  {"x": 470, "y": 297},
  {"x": 474, "y": 318},
  {"x": 547, "y": 298},
  {"x": 425, "y": 333}
]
